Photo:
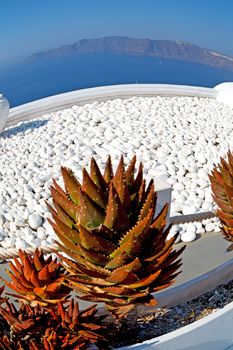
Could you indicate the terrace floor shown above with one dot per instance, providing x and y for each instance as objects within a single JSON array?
[{"x": 200, "y": 256}]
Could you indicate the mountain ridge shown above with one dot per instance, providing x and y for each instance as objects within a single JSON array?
[{"x": 178, "y": 50}]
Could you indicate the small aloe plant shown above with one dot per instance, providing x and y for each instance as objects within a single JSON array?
[
  {"x": 37, "y": 279},
  {"x": 119, "y": 252},
  {"x": 2, "y": 299},
  {"x": 50, "y": 328},
  {"x": 221, "y": 180}
]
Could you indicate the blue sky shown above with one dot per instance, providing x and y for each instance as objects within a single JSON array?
[{"x": 28, "y": 26}]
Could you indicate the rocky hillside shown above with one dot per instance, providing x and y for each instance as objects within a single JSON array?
[{"x": 144, "y": 47}]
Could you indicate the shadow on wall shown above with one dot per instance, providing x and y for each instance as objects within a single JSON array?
[{"x": 35, "y": 124}]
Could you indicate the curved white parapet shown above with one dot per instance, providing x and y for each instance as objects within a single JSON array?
[
  {"x": 4, "y": 111},
  {"x": 225, "y": 93},
  {"x": 213, "y": 332},
  {"x": 50, "y": 104},
  {"x": 195, "y": 287}
]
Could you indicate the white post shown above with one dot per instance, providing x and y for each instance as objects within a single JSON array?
[
  {"x": 164, "y": 191},
  {"x": 4, "y": 111}
]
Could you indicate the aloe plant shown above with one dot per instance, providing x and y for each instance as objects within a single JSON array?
[
  {"x": 2, "y": 299},
  {"x": 50, "y": 328},
  {"x": 221, "y": 179},
  {"x": 118, "y": 249},
  {"x": 37, "y": 279}
]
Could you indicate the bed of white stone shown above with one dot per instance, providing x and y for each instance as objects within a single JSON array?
[{"x": 177, "y": 138}]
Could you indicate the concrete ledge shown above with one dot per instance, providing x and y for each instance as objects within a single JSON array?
[
  {"x": 54, "y": 103},
  {"x": 213, "y": 332},
  {"x": 196, "y": 286}
]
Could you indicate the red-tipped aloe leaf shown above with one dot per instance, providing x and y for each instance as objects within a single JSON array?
[
  {"x": 145, "y": 281},
  {"x": 60, "y": 213},
  {"x": 118, "y": 261},
  {"x": 44, "y": 275},
  {"x": 90, "y": 214},
  {"x": 93, "y": 256},
  {"x": 137, "y": 232},
  {"x": 108, "y": 172},
  {"x": 86, "y": 270},
  {"x": 149, "y": 203},
  {"x": 67, "y": 205},
  {"x": 122, "y": 274},
  {"x": 58, "y": 188},
  {"x": 96, "y": 175},
  {"x": 120, "y": 312},
  {"x": 34, "y": 279},
  {"x": 218, "y": 190},
  {"x": 138, "y": 181},
  {"x": 160, "y": 220},
  {"x": 66, "y": 231},
  {"x": 129, "y": 174},
  {"x": 93, "y": 191},
  {"x": 120, "y": 185},
  {"x": 89, "y": 240},
  {"x": 223, "y": 205},
  {"x": 71, "y": 184},
  {"x": 116, "y": 216},
  {"x": 37, "y": 262}
]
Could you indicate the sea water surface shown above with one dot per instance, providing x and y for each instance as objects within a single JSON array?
[{"x": 26, "y": 82}]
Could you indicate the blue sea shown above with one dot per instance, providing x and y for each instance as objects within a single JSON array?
[{"x": 26, "y": 82}]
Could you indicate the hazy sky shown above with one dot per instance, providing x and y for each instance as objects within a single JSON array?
[{"x": 28, "y": 26}]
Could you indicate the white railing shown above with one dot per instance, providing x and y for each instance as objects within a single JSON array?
[{"x": 51, "y": 104}]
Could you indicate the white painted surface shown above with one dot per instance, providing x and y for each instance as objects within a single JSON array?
[
  {"x": 225, "y": 93},
  {"x": 4, "y": 111},
  {"x": 193, "y": 288},
  {"x": 37, "y": 108},
  {"x": 164, "y": 191}
]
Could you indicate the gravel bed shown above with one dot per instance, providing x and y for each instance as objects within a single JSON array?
[
  {"x": 177, "y": 138},
  {"x": 169, "y": 319}
]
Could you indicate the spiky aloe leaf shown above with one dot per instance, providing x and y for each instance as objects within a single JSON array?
[
  {"x": 67, "y": 205},
  {"x": 116, "y": 217},
  {"x": 97, "y": 177},
  {"x": 122, "y": 273},
  {"x": 90, "y": 214},
  {"x": 108, "y": 171},
  {"x": 71, "y": 184},
  {"x": 221, "y": 180},
  {"x": 120, "y": 185},
  {"x": 93, "y": 191},
  {"x": 133, "y": 237},
  {"x": 129, "y": 174},
  {"x": 150, "y": 201},
  {"x": 94, "y": 242}
]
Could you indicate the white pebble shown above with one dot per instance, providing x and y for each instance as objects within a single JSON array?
[
  {"x": 41, "y": 234},
  {"x": 188, "y": 236},
  {"x": 178, "y": 186},
  {"x": 187, "y": 210},
  {"x": 210, "y": 227},
  {"x": 191, "y": 227},
  {"x": 35, "y": 221},
  {"x": 20, "y": 244}
]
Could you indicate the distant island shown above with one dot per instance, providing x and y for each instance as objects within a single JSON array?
[{"x": 178, "y": 50}]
